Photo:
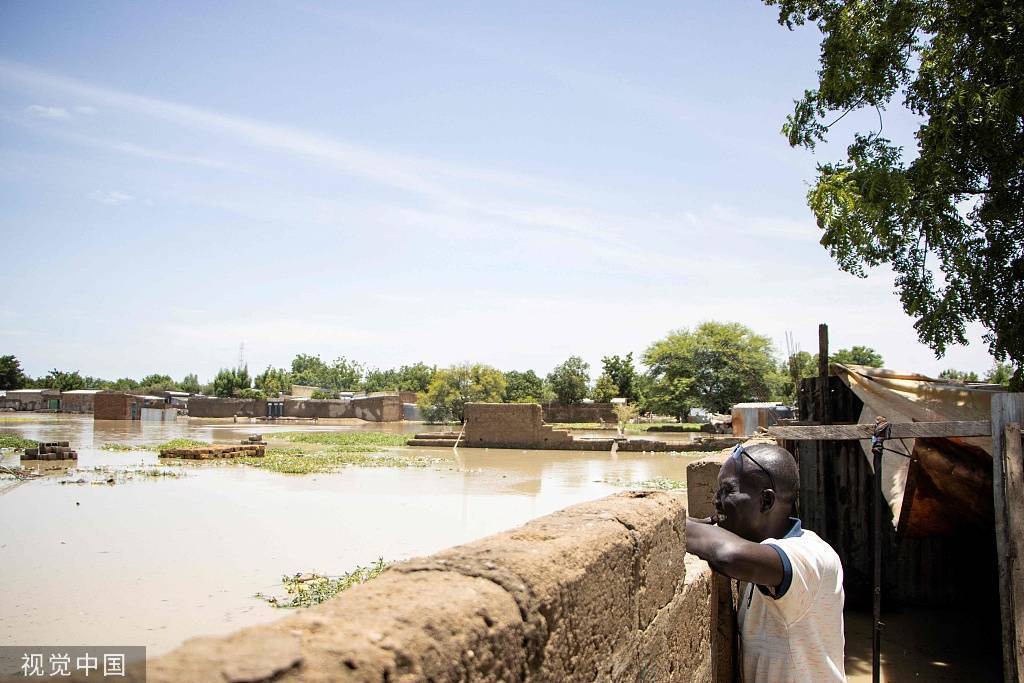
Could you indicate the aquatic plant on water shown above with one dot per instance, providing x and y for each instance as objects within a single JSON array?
[
  {"x": 355, "y": 439},
  {"x": 298, "y": 460},
  {"x": 656, "y": 484},
  {"x": 307, "y": 590},
  {"x": 172, "y": 444},
  {"x": 9, "y": 440}
]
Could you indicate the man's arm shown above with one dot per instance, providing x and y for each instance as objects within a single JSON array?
[{"x": 733, "y": 556}]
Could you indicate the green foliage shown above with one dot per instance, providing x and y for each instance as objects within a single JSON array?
[
  {"x": 177, "y": 443},
  {"x": 321, "y": 395},
  {"x": 571, "y": 380},
  {"x": 11, "y": 440},
  {"x": 123, "y": 384},
  {"x": 714, "y": 366},
  {"x": 452, "y": 388},
  {"x": 229, "y": 382},
  {"x": 857, "y": 355},
  {"x": 351, "y": 439},
  {"x": 11, "y": 374},
  {"x": 190, "y": 383},
  {"x": 62, "y": 381},
  {"x": 946, "y": 220},
  {"x": 258, "y": 394},
  {"x": 958, "y": 375},
  {"x": 274, "y": 381},
  {"x": 605, "y": 389},
  {"x": 1001, "y": 373},
  {"x": 524, "y": 387},
  {"x": 406, "y": 378},
  {"x": 307, "y": 590},
  {"x": 340, "y": 375},
  {"x": 623, "y": 373},
  {"x": 157, "y": 380}
]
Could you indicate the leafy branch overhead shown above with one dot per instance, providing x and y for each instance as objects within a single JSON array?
[{"x": 949, "y": 218}]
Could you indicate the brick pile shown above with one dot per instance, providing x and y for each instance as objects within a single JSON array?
[
  {"x": 211, "y": 452},
  {"x": 52, "y": 450}
]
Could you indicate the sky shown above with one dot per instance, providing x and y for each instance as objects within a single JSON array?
[{"x": 506, "y": 183}]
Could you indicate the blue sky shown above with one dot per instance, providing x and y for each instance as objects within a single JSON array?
[{"x": 504, "y": 183}]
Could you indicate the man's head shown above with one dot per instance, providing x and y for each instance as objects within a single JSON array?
[{"x": 756, "y": 491}]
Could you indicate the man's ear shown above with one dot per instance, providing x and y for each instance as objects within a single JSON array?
[{"x": 768, "y": 499}]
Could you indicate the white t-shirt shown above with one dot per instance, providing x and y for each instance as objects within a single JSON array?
[{"x": 795, "y": 632}]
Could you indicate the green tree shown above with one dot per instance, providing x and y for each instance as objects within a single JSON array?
[
  {"x": 857, "y": 355},
  {"x": 523, "y": 387},
  {"x": 190, "y": 383},
  {"x": 62, "y": 381},
  {"x": 415, "y": 377},
  {"x": 451, "y": 389},
  {"x": 947, "y": 219},
  {"x": 958, "y": 375},
  {"x": 605, "y": 389},
  {"x": 273, "y": 381},
  {"x": 622, "y": 371},
  {"x": 380, "y": 380},
  {"x": 714, "y": 366},
  {"x": 571, "y": 380},
  {"x": 123, "y": 384},
  {"x": 155, "y": 382},
  {"x": 340, "y": 375},
  {"x": 1001, "y": 373},
  {"x": 11, "y": 374},
  {"x": 230, "y": 382}
]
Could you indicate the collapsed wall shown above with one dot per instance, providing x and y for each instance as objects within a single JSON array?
[{"x": 598, "y": 591}]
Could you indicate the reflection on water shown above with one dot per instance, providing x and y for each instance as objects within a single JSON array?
[{"x": 154, "y": 561}]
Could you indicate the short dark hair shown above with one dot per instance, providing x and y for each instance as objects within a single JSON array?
[{"x": 780, "y": 463}]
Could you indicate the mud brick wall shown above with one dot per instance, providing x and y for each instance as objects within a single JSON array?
[
  {"x": 77, "y": 403},
  {"x": 503, "y": 424},
  {"x": 702, "y": 483},
  {"x": 579, "y": 412},
  {"x": 209, "y": 406},
  {"x": 598, "y": 591},
  {"x": 377, "y": 408},
  {"x": 370, "y": 408},
  {"x": 114, "y": 406},
  {"x": 319, "y": 408}
]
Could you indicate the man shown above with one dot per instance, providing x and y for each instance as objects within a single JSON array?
[{"x": 791, "y": 581}]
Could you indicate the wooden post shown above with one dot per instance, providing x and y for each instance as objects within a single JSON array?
[
  {"x": 1014, "y": 466},
  {"x": 724, "y": 636},
  {"x": 1006, "y": 408},
  {"x": 824, "y": 404}
]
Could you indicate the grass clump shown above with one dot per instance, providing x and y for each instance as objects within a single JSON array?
[
  {"x": 306, "y": 590},
  {"x": 179, "y": 443},
  {"x": 356, "y": 441},
  {"x": 298, "y": 460},
  {"x": 8, "y": 440},
  {"x": 656, "y": 484}
]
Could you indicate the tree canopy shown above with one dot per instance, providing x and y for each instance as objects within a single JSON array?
[
  {"x": 948, "y": 220},
  {"x": 857, "y": 355},
  {"x": 452, "y": 388},
  {"x": 525, "y": 387},
  {"x": 571, "y": 380},
  {"x": 11, "y": 375},
  {"x": 621, "y": 371},
  {"x": 715, "y": 366}
]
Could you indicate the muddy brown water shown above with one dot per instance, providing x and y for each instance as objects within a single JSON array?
[{"x": 153, "y": 561}]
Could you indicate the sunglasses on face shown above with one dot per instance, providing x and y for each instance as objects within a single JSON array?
[{"x": 740, "y": 451}]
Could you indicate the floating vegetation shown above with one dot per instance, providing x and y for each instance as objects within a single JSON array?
[
  {"x": 356, "y": 441},
  {"x": 173, "y": 443},
  {"x": 12, "y": 420},
  {"x": 298, "y": 460},
  {"x": 109, "y": 475},
  {"x": 9, "y": 440},
  {"x": 657, "y": 484},
  {"x": 306, "y": 590}
]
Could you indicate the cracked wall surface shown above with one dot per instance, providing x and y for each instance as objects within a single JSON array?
[{"x": 601, "y": 591}]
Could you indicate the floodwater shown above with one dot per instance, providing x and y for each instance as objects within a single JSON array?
[{"x": 154, "y": 560}]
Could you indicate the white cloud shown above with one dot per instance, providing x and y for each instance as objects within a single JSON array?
[
  {"x": 112, "y": 197},
  {"x": 44, "y": 112},
  {"x": 83, "y": 109}
]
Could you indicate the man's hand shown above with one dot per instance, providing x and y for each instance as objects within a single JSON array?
[{"x": 731, "y": 555}]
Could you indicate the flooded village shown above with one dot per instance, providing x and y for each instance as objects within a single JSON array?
[{"x": 460, "y": 342}]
